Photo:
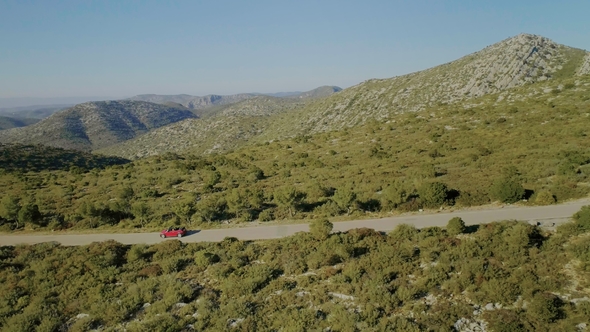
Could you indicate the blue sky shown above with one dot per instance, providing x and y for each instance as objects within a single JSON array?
[{"x": 123, "y": 48}]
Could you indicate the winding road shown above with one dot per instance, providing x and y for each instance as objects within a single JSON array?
[{"x": 545, "y": 215}]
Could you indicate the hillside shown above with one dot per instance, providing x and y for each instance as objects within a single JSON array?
[
  {"x": 506, "y": 276},
  {"x": 218, "y": 129},
  {"x": 9, "y": 122},
  {"x": 482, "y": 151},
  {"x": 37, "y": 158},
  {"x": 96, "y": 125},
  {"x": 521, "y": 61},
  {"x": 514, "y": 62}
]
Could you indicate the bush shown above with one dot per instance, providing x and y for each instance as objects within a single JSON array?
[
  {"x": 507, "y": 190},
  {"x": 265, "y": 215},
  {"x": 582, "y": 218},
  {"x": 404, "y": 232},
  {"x": 320, "y": 229},
  {"x": 433, "y": 194},
  {"x": 203, "y": 259},
  {"x": 544, "y": 197},
  {"x": 456, "y": 226}
]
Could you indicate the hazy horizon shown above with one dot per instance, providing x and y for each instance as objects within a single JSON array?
[{"x": 111, "y": 48}]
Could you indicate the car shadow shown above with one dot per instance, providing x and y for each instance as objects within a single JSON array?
[{"x": 190, "y": 232}]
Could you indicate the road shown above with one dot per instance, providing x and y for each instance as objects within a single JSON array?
[{"x": 546, "y": 215}]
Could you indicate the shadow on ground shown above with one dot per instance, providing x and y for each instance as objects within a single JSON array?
[{"x": 191, "y": 232}]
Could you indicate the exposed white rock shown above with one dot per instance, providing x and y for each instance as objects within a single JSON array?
[{"x": 585, "y": 68}]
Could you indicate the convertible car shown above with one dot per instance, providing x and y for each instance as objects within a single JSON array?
[{"x": 173, "y": 232}]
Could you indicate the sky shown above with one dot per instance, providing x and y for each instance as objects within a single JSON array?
[{"x": 82, "y": 48}]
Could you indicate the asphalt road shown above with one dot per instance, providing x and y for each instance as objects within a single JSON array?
[{"x": 546, "y": 215}]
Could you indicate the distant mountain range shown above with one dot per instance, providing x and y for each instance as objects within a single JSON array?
[
  {"x": 200, "y": 103},
  {"x": 219, "y": 123}
]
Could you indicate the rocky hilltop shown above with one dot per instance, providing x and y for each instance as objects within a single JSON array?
[
  {"x": 514, "y": 62},
  {"x": 94, "y": 125}
]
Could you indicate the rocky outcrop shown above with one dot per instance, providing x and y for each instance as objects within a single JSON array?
[{"x": 585, "y": 68}]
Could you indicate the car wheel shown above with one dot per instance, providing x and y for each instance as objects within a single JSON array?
[
  {"x": 179, "y": 235},
  {"x": 163, "y": 236}
]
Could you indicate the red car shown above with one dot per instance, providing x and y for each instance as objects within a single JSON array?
[{"x": 173, "y": 232}]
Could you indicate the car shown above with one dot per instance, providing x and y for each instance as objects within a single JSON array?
[{"x": 173, "y": 232}]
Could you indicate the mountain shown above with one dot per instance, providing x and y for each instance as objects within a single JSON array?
[
  {"x": 8, "y": 122},
  {"x": 209, "y": 101},
  {"x": 219, "y": 129},
  {"x": 96, "y": 125},
  {"x": 322, "y": 91},
  {"x": 194, "y": 102},
  {"x": 498, "y": 69},
  {"x": 521, "y": 60}
]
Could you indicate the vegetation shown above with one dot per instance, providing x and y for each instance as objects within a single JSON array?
[
  {"x": 507, "y": 276},
  {"x": 36, "y": 158},
  {"x": 447, "y": 156}
]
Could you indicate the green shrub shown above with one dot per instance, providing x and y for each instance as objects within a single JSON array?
[
  {"x": 507, "y": 190},
  {"x": 404, "y": 232},
  {"x": 456, "y": 226},
  {"x": 320, "y": 229},
  {"x": 265, "y": 215},
  {"x": 433, "y": 194},
  {"x": 544, "y": 197},
  {"x": 582, "y": 218}
]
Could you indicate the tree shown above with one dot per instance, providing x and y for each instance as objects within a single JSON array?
[
  {"x": 394, "y": 195},
  {"x": 212, "y": 179},
  {"x": 507, "y": 190},
  {"x": 210, "y": 209},
  {"x": 126, "y": 193},
  {"x": 241, "y": 202},
  {"x": 29, "y": 213},
  {"x": 345, "y": 199},
  {"x": 456, "y": 226},
  {"x": 320, "y": 229},
  {"x": 184, "y": 210},
  {"x": 288, "y": 198},
  {"x": 141, "y": 211},
  {"x": 433, "y": 194},
  {"x": 10, "y": 208}
]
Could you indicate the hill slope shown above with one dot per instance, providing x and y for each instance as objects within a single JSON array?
[
  {"x": 96, "y": 125},
  {"x": 9, "y": 122},
  {"x": 219, "y": 129},
  {"x": 497, "y": 69},
  {"x": 514, "y": 62}
]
